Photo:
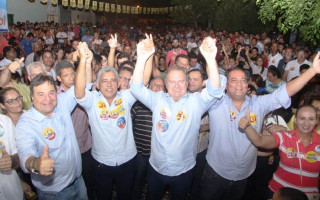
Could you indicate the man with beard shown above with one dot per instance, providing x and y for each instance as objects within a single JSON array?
[{"x": 172, "y": 54}]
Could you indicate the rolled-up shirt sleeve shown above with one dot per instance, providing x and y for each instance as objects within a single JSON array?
[
  {"x": 217, "y": 92},
  {"x": 144, "y": 95}
]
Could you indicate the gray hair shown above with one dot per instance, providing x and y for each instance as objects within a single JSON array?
[
  {"x": 63, "y": 65},
  {"x": 105, "y": 70},
  {"x": 176, "y": 68},
  {"x": 35, "y": 65}
]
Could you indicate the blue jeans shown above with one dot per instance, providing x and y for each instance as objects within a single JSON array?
[{"x": 76, "y": 191}]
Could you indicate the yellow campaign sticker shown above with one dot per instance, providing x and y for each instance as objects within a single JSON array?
[
  {"x": 181, "y": 116},
  {"x": 233, "y": 115},
  {"x": 101, "y": 105},
  {"x": 253, "y": 118},
  {"x": 291, "y": 152},
  {"x": 118, "y": 102},
  {"x": 49, "y": 133},
  {"x": 121, "y": 110},
  {"x": 311, "y": 156}
]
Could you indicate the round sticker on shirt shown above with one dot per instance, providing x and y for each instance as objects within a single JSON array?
[
  {"x": 311, "y": 156},
  {"x": 291, "y": 153},
  {"x": 121, "y": 122},
  {"x": 49, "y": 134},
  {"x": 253, "y": 118},
  {"x": 181, "y": 116},
  {"x": 292, "y": 68},
  {"x": 162, "y": 126},
  {"x": 317, "y": 149},
  {"x": 2, "y": 146},
  {"x": 273, "y": 61},
  {"x": 113, "y": 114},
  {"x": 118, "y": 102},
  {"x": 101, "y": 105},
  {"x": 120, "y": 109},
  {"x": 233, "y": 115},
  {"x": 1, "y": 131},
  {"x": 104, "y": 114},
  {"x": 164, "y": 113}
]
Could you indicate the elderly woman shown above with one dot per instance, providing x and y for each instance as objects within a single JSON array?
[
  {"x": 274, "y": 80},
  {"x": 298, "y": 149}
]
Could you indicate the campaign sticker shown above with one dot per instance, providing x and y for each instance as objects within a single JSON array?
[
  {"x": 2, "y": 146},
  {"x": 121, "y": 122},
  {"x": 164, "y": 113},
  {"x": 317, "y": 149},
  {"x": 49, "y": 134},
  {"x": 1, "y": 131},
  {"x": 291, "y": 153},
  {"x": 118, "y": 102},
  {"x": 311, "y": 156},
  {"x": 233, "y": 115},
  {"x": 181, "y": 116},
  {"x": 162, "y": 126},
  {"x": 121, "y": 110},
  {"x": 101, "y": 105},
  {"x": 271, "y": 160},
  {"x": 113, "y": 114},
  {"x": 273, "y": 61},
  {"x": 104, "y": 114},
  {"x": 253, "y": 118},
  {"x": 292, "y": 68}
]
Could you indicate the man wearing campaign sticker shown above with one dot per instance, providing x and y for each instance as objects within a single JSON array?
[
  {"x": 113, "y": 146},
  {"x": 176, "y": 118},
  {"x": 46, "y": 140},
  {"x": 229, "y": 142}
]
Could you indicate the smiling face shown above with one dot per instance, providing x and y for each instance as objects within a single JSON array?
[
  {"x": 237, "y": 85},
  {"x": 306, "y": 120},
  {"x": 12, "y": 102},
  {"x": 108, "y": 85},
  {"x": 176, "y": 84},
  {"x": 45, "y": 98}
]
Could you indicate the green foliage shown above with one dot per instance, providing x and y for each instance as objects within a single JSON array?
[{"x": 303, "y": 15}]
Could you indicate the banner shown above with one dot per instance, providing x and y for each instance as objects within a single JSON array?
[
  {"x": 94, "y": 5},
  {"x": 73, "y": 3},
  {"x": 54, "y": 2},
  {"x": 118, "y": 8},
  {"x": 65, "y": 2},
  {"x": 128, "y": 9},
  {"x": 80, "y": 4},
  {"x": 132, "y": 10},
  {"x": 136, "y": 10},
  {"x": 107, "y": 7},
  {"x": 140, "y": 10},
  {"x": 144, "y": 10},
  {"x": 124, "y": 9},
  {"x": 101, "y": 6},
  {"x": 148, "y": 11},
  {"x": 44, "y": 1},
  {"x": 87, "y": 4},
  {"x": 113, "y": 8},
  {"x": 3, "y": 16}
]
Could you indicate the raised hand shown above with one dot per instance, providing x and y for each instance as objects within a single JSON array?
[
  {"x": 208, "y": 48},
  {"x": 14, "y": 66},
  {"x": 113, "y": 41},
  {"x": 84, "y": 51},
  {"x": 245, "y": 121},
  {"x": 46, "y": 164},
  {"x": 5, "y": 161},
  {"x": 316, "y": 63},
  {"x": 145, "y": 48}
]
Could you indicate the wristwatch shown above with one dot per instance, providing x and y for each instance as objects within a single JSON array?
[{"x": 33, "y": 170}]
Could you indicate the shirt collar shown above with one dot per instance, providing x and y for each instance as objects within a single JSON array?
[{"x": 39, "y": 116}]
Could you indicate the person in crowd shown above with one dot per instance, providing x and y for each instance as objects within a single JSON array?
[
  {"x": 172, "y": 54},
  {"x": 274, "y": 80}
]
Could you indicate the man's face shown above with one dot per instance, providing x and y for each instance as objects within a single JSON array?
[
  {"x": 183, "y": 62},
  {"x": 75, "y": 44},
  {"x": 274, "y": 47},
  {"x": 237, "y": 85},
  {"x": 289, "y": 53},
  {"x": 12, "y": 54},
  {"x": 176, "y": 84},
  {"x": 157, "y": 85},
  {"x": 124, "y": 80},
  {"x": 108, "y": 85},
  {"x": 44, "y": 98},
  {"x": 127, "y": 49},
  {"x": 67, "y": 77},
  {"x": 47, "y": 59},
  {"x": 35, "y": 71},
  {"x": 193, "y": 62},
  {"x": 195, "y": 81},
  {"x": 301, "y": 55},
  {"x": 254, "y": 42},
  {"x": 175, "y": 44}
]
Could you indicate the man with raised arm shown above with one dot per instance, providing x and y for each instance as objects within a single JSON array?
[{"x": 176, "y": 119}]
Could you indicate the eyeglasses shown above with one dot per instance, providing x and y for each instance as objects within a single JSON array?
[
  {"x": 124, "y": 78},
  {"x": 11, "y": 101}
]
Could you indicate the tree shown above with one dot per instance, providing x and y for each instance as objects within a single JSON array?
[{"x": 303, "y": 15}]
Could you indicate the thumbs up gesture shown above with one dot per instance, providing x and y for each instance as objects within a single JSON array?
[
  {"x": 5, "y": 161},
  {"x": 14, "y": 66},
  {"x": 45, "y": 164},
  {"x": 245, "y": 121}
]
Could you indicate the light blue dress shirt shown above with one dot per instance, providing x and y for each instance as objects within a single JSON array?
[
  {"x": 230, "y": 152},
  {"x": 176, "y": 126},
  {"x": 35, "y": 130},
  {"x": 111, "y": 127}
]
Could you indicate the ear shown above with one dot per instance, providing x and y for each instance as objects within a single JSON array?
[
  {"x": 2, "y": 106},
  {"x": 203, "y": 83},
  {"x": 59, "y": 78}
]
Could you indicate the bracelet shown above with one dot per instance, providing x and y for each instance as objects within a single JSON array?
[{"x": 32, "y": 169}]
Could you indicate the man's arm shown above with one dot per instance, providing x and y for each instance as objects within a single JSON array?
[
  {"x": 209, "y": 52},
  {"x": 113, "y": 44},
  {"x": 285, "y": 75},
  {"x": 148, "y": 70},
  {"x": 5, "y": 74},
  {"x": 44, "y": 164},
  {"x": 80, "y": 81},
  {"x": 297, "y": 84}
]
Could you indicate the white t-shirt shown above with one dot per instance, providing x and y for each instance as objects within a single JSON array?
[
  {"x": 256, "y": 70},
  {"x": 70, "y": 35},
  {"x": 191, "y": 45},
  {"x": 49, "y": 40},
  {"x": 10, "y": 186},
  {"x": 274, "y": 60},
  {"x": 294, "y": 68},
  {"x": 61, "y": 36}
]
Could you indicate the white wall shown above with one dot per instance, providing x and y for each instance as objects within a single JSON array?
[
  {"x": 25, "y": 10},
  {"x": 82, "y": 16}
]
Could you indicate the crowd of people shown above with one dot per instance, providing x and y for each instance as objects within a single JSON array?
[{"x": 120, "y": 112}]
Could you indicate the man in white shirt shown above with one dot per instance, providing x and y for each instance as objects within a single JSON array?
[
  {"x": 292, "y": 69},
  {"x": 275, "y": 56},
  {"x": 61, "y": 36}
]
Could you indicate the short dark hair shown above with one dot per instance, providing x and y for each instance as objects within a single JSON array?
[
  {"x": 258, "y": 80},
  {"x": 39, "y": 80},
  {"x": 274, "y": 71},
  {"x": 203, "y": 77},
  {"x": 303, "y": 67},
  {"x": 180, "y": 56},
  {"x": 4, "y": 91},
  {"x": 46, "y": 51},
  {"x": 30, "y": 35},
  {"x": 63, "y": 65},
  {"x": 6, "y": 50},
  {"x": 97, "y": 58},
  {"x": 125, "y": 69},
  {"x": 236, "y": 68},
  {"x": 287, "y": 193},
  {"x": 128, "y": 62}
]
